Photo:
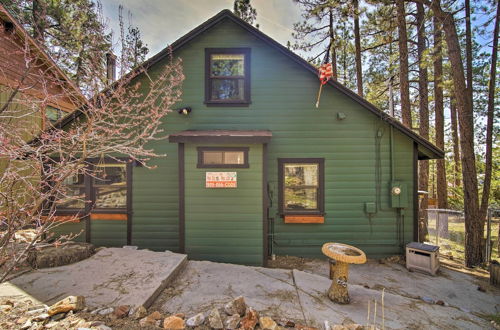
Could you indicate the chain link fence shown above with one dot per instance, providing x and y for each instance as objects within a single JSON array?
[{"x": 446, "y": 229}]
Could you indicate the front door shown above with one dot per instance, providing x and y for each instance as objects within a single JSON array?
[{"x": 223, "y": 200}]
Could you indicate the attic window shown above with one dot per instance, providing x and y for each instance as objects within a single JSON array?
[{"x": 227, "y": 76}]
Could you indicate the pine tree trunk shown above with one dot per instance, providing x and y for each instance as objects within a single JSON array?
[
  {"x": 474, "y": 225},
  {"x": 441, "y": 185},
  {"x": 39, "y": 12},
  {"x": 333, "y": 47},
  {"x": 489, "y": 123},
  {"x": 456, "y": 143},
  {"x": 468, "y": 47},
  {"x": 357, "y": 43},
  {"x": 423, "y": 171},
  {"x": 403, "y": 64}
]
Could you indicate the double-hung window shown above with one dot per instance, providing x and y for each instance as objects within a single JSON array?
[
  {"x": 301, "y": 186},
  {"x": 227, "y": 76}
]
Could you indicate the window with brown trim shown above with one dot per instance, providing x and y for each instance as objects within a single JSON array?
[
  {"x": 301, "y": 186},
  {"x": 223, "y": 157},
  {"x": 106, "y": 186},
  {"x": 227, "y": 76}
]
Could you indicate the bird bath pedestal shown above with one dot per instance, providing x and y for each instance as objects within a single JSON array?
[{"x": 339, "y": 271}]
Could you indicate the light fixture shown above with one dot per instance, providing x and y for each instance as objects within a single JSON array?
[{"x": 184, "y": 111}]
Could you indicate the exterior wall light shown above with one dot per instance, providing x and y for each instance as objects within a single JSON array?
[{"x": 184, "y": 111}]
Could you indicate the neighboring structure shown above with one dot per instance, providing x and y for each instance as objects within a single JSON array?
[
  {"x": 37, "y": 90},
  {"x": 253, "y": 168}
]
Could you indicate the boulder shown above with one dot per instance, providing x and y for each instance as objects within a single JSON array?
[
  {"x": 196, "y": 320},
  {"x": 71, "y": 303},
  {"x": 214, "y": 319},
  {"x": 236, "y": 306},
  {"x": 267, "y": 323},
  {"x": 249, "y": 321},
  {"x": 174, "y": 323},
  {"x": 105, "y": 311},
  {"x": 233, "y": 321}
]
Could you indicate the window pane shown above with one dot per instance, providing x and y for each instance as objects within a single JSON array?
[
  {"x": 212, "y": 157},
  {"x": 234, "y": 157},
  {"x": 301, "y": 199},
  {"x": 72, "y": 195},
  {"x": 301, "y": 175},
  {"x": 53, "y": 114},
  {"x": 111, "y": 186},
  {"x": 227, "y": 89},
  {"x": 226, "y": 65}
]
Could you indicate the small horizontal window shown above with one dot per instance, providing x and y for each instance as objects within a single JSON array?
[
  {"x": 222, "y": 157},
  {"x": 110, "y": 186}
]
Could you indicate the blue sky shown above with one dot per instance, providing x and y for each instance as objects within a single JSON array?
[{"x": 163, "y": 21}]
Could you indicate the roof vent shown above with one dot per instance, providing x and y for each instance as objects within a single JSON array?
[
  {"x": 8, "y": 27},
  {"x": 110, "y": 67}
]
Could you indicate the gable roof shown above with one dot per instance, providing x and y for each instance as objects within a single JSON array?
[
  {"x": 434, "y": 152},
  {"x": 21, "y": 33}
]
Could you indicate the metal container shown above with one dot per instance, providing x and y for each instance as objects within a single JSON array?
[{"x": 422, "y": 257}]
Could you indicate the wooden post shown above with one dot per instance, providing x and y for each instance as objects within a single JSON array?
[{"x": 338, "y": 290}]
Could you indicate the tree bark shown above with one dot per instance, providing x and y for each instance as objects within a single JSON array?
[
  {"x": 357, "y": 44},
  {"x": 403, "y": 64},
  {"x": 332, "y": 49},
  {"x": 468, "y": 47},
  {"x": 456, "y": 143},
  {"x": 489, "y": 123},
  {"x": 423, "y": 170},
  {"x": 441, "y": 185},
  {"x": 474, "y": 225}
]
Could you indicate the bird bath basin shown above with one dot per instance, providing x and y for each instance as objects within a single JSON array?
[{"x": 343, "y": 255}]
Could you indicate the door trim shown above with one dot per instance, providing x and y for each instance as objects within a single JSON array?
[
  {"x": 265, "y": 211},
  {"x": 182, "y": 211}
]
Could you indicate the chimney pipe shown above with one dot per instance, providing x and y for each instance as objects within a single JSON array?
[{"x": 110, "y": 67}]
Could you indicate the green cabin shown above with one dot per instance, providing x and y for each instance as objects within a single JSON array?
[{"x": 253, "y": 168}]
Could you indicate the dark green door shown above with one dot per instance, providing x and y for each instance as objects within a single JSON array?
[{"x": 224, "y": 223}]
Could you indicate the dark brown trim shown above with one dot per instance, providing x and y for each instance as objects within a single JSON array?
[
  {"x": 321, "y": 185},
  {"x": 182, "y": 213},
  {"x": 265, "y": 207},
  {"x": 200, "y": 163},
  {"x": 415, "y": 192},
  {"x": 130, "y": 210},
  {"x": 246, "y": 52},
  {"x": 88, "y": 207},
  {"x": 218, "y": 139}
]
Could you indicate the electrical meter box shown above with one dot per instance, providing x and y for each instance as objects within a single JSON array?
[{"x": 399, "y": 194}]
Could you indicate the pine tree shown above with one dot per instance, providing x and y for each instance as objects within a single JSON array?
[{"x": 244, "y": 10}]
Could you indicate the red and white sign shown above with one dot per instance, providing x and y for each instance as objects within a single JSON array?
[{"x": 220, "y": 180}]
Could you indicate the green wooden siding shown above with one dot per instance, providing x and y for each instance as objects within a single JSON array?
[
  {"x": 224, "y": 225},
  {"x": 283, "y": 96}
]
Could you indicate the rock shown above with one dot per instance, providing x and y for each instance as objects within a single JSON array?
[
  {"x": 22, "y": 320},
  {"x": 304, "y": 327},
  {"x": 354, "y": 326},
  {"x": 96, "y": 323},
  {"x": 214, "y": 319},
  {"x": 233, "y": 321},
  {"x": 428, "y": 300},
  {"x": 181, "y": 315},
  {"x": 103, "y": 327},
  {"x": 267, "y": 323},
  {"x": 480, "y": 288},
  {"x": 41, "y": 317},
  {"x": 440, "y": 303},
  {"x": 174, "y": 323},
  {"x": 138, "y": 312},
  {"x": 196, "y": 320},
  {"x": 286, "y": 323},
  {"x": 250, "y": 320},
  {"x": 105, "y": 311},
  {"x": 26, "y": 325},
  {"x": 146, "y": 321},
  {"x": 338, "y": 327},
  {"x": 155, "y": 315},
  {"x": 71, "y": 303},
  {"x": 236, "y": 306},
  {"x": 5, "y": 308},
  {"x": 121, "y": 311},
  {"x": 57, "y": 317}
]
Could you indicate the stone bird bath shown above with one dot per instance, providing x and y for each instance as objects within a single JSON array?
[{"x": 339, "y": 271}]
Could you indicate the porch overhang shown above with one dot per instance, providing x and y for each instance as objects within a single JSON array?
[{"x": 221, "y": 136}]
